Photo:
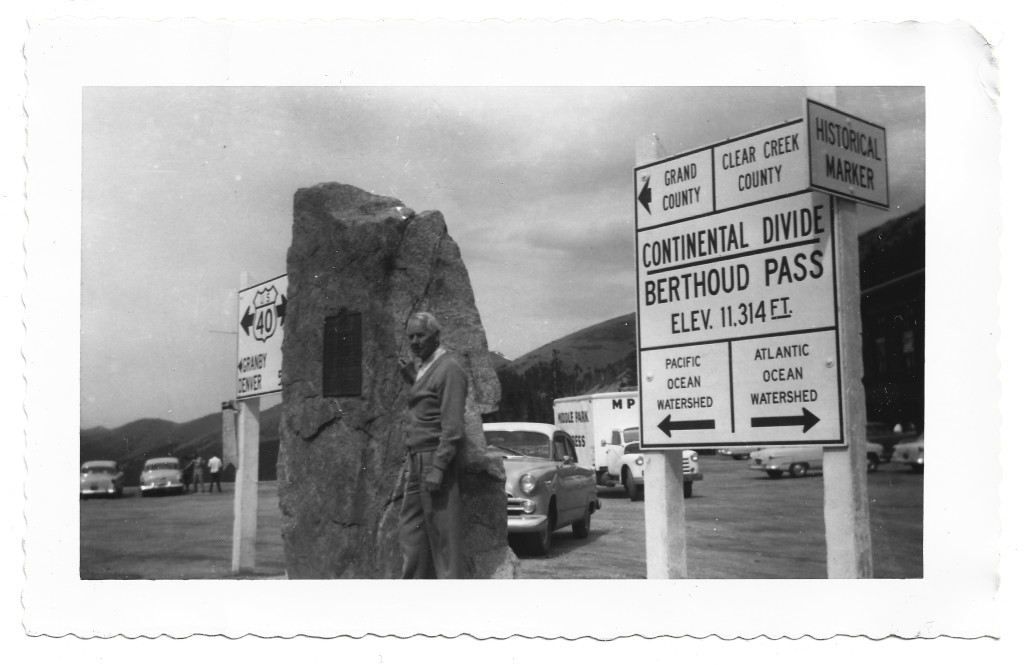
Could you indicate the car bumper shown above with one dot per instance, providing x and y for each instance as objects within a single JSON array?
[
  {"x": 527, "y": 523},
  {"x": 767, "y": 466},
  {"x": 102, "y": 491},
  {"x": 162, "y": 488}
]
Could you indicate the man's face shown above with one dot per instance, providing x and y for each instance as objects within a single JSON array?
[{"x": 422, "y": 342}]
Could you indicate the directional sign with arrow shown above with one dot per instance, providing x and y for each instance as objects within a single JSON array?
[
  {"x": 674, "y": 189},
  {"x": 261, "y": 313}
]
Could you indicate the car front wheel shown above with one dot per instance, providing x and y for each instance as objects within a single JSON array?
[
  {"x": 872, "y": 463},
  {"x": 774, "y": 473},
  {"x": 798, "y": 470},
  {"x": 632, "y": 489},
  {"x": 540, "y": 541},
  {"x": 581, "y": 527}
]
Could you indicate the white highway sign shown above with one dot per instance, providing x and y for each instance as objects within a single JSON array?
[
  {"x": 764, "y": 165},
  {"x": 261, "y": 312},
  {"x": 847, "y": 155},
  {"x": 737, "y": 327}
]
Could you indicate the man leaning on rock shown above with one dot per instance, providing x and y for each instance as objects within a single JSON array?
[{"x": 428, "y": 526}]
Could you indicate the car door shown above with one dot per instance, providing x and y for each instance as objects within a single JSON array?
[{"x": 572, "y": 480}]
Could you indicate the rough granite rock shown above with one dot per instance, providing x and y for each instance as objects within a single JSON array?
[{"x": 341, "y": 458}]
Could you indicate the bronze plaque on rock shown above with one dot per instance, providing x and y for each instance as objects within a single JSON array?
[{"x": 343, "y": 355}]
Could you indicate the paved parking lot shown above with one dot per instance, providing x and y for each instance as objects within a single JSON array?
[
  {"x": 743, "y": 525},
  {"x": 740, "y": 525}
]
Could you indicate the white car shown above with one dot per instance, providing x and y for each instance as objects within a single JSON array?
[
  {"x": 798, "y": 461},
  {"x": 910, "y": 452},
  {"x": 626, "y": 464},
  {"x": 161, "y": 474},
  {"x": 739, "y": 452}
]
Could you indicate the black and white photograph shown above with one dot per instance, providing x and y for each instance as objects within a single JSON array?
[{"x": 578, "y": 346}]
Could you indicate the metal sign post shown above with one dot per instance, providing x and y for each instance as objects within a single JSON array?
[
  {"x": 261, "y": 309},
  {"x": 664, "y": 506},
  {"x": 847, "y": 526}
]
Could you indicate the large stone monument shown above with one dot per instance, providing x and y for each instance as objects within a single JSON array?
[{"x": 358, "y": 267}]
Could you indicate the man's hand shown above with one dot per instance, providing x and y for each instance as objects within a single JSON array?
[
  {"x": 407, "y": 370},
  {"x": 434, "y": 478}
]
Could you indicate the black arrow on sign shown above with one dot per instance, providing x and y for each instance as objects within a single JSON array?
[
  {"x": 247, "y": 320},
  {"x": 645, "y": 196},
  {"x": 668, "y": 425},
  {"x": 280, "y": 308},
  {"x": 808, "y": 420}
]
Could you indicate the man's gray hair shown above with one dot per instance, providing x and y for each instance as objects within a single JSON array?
[{"x": 428, "y": 319}]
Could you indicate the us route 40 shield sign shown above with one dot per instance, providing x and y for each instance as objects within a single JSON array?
[{"x": 261, "y": 312}]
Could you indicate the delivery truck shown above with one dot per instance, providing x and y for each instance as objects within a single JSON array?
[
  {"x": 590, "y": 419},
  {"x": 598, "y": 424}
]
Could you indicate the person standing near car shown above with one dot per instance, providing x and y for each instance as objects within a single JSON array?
[
  {"x": 197, "y": 472},
  {"x": 429, "y": 532},
  {"x": 214, "y": 465},
  {"x": 186, "y": 472}
]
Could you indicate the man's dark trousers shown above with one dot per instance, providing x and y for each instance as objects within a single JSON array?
[{"x": 429, "y": 524}]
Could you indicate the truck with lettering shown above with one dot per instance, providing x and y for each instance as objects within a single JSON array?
[
  {"x": 590, "y": 419},
  {"x": 602, "y": 425}
]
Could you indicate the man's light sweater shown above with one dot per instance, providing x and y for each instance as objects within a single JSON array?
[{"x": 437, "y": 407}]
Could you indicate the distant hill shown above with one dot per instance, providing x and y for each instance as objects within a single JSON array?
[
  {"x": 600, "y": 358},
  {"x": 132, "y": 444}
]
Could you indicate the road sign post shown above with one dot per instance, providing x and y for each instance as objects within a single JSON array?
[
  {"x": 261, "y": 309},
  {"x": 847, "y": 525},
  {"x": 664, "y": 507}
]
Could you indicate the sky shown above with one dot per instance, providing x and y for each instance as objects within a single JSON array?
[{"x": 186, "y": 188}]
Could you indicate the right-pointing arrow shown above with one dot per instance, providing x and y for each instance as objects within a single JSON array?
[
  {"x": 807, "y": 420},
  {"x": 668, "y": 425}
]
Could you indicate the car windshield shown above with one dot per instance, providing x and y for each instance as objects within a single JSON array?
[
  {"x": 631, "y": 449},
  {"x": 631, "y": 435},
  {"x": 519, "y": 442},
  {"x": 161, "y": 466},
  {"x": 102, "y": 470}
]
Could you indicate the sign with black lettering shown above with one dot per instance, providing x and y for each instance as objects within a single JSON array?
[
  {"x": 764, "y": 165},
  {"x": 261, "y": 312},
  {"x": 343, "y": 355},
  {"x": 847, "y": 155},
  {"x": 737, "y": 327}
]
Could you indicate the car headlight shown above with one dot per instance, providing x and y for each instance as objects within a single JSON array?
[
  {"x": 693, "y": 457},
  {"x": 528, "y": 483},
  {"x": 640, "y": 460}
]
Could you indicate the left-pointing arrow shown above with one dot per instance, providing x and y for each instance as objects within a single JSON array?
[
  {"x": 645, "y": 196},
  {"x": 247, "y": 320},
  {"x": 807, "y": 420},
  {"x": 668, "y": 425}
]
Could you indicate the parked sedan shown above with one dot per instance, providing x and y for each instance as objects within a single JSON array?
[
  {"x": 161, "y": 474},
  {"x": 547, "y": 488},
  {"x": 798, "y": 461},
  {"x": 100, "y": 478},
  {"x": 910, "y": 452}
]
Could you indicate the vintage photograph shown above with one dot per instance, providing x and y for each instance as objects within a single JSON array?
[
  {"x": 510, "y": 214},
  {"x": 635, "y": 341}
]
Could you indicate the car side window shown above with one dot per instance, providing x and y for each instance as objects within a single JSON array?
[
  {"x": 564, "y": 448},
  {"x": 616, "y": 438}
]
